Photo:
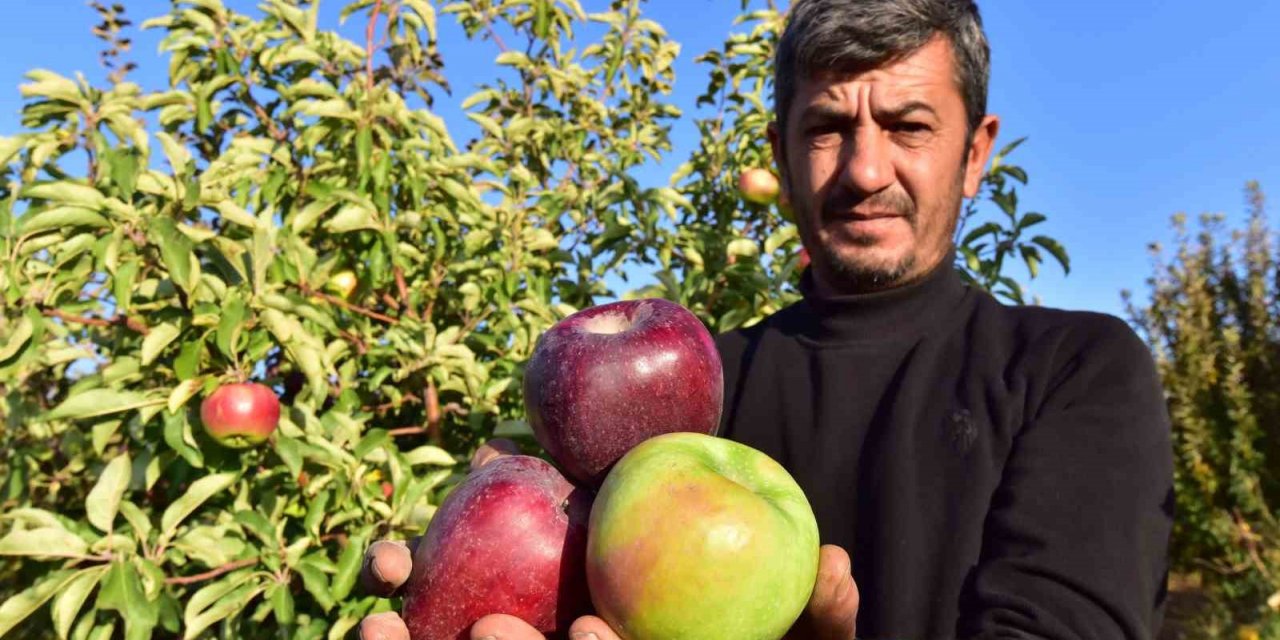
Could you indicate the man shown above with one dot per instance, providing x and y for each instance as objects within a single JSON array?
[{"x": 995, "y": 472}]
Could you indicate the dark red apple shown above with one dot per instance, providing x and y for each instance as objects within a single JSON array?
[
  {"x": 510, "y": 539},
  {"x": 607, "y": 378},
  {"x": 240, "y": 415}
]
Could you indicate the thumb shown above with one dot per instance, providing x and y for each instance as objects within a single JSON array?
[
  {"x": 499, "y": 626},
  {"x": 832, "y": 612}
]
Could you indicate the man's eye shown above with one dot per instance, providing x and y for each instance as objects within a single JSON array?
[
  {"x": 911, "y": 127},
  {"x": 821, "y": 130}
]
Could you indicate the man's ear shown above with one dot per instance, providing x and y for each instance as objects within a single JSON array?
[
  {"x": 779, "y": 160},
  {"x": 979, "y": 153}
]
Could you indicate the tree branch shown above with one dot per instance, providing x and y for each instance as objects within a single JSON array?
[
  {"x": 213, "y": 573},
  {"x": 307, "y": 290},
  {"x": 132, "y": 323},
  {"x": 368, "y": 46}
]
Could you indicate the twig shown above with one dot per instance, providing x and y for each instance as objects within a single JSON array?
[
  {"x": 347, "y": 305},
  {"x": 406, "y": 431},
  {"x": 404, "y": 293},
  {"x": 132, "y": 323},
  {"x": 213, "y": 573},
  {"x": 368, "y": 46}
]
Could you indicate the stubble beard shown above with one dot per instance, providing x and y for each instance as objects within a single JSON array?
[{"x": 862, "y": 273}]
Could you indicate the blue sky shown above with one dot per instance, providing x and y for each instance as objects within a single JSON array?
[{"x": 1135, "y": 110}]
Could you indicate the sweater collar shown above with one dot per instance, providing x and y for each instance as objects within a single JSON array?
[{"x": 883, "y": 316}]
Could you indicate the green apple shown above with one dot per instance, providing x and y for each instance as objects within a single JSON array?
[{"x": 695, "y": 537}]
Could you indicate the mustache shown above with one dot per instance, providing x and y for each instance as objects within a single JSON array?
[{"x": 839, "y": 204}]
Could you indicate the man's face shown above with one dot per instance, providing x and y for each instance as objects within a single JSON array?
[{"x": 875, "y": 166}]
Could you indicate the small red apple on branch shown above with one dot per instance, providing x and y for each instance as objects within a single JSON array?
[{"x": 240, "y": 415}]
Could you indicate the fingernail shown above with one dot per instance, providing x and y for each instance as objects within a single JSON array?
[
  {"x": 584, "y": 635},
  {"x": 489, "y": 638}
]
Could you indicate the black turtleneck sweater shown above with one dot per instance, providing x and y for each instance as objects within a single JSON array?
[{"x": 994, "y": 471}]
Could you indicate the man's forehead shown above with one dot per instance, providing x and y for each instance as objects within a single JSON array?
[{"x": 927, "y": 74}]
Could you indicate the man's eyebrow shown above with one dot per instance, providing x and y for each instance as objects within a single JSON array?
[
  {"x": 828, "y": 112},
  {"x": 904, "y": 110},
  {"x": 821, "y": 112}
]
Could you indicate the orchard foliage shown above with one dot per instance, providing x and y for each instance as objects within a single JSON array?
[
  {"x": 1212, "y": 317},
  {"x": 292, "y": 210}
]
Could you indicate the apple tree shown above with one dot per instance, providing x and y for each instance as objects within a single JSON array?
[{"x": 292, "y": 211}]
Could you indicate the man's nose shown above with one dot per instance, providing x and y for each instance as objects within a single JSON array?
[{"x": 867, "y": 168}]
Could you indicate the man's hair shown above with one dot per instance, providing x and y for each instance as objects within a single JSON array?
[{"x": 851, "y": 36}]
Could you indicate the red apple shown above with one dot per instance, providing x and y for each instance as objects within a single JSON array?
[
  {"x": 804, "y": 258},
  {"x": 510, "y": 539},
  {"x": 240, "y": 415},
  {"x": 610, "y": 377},
  {"x": 758, "y": 185}
]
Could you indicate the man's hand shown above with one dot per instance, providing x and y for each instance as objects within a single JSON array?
[{"x": 831, "y": 614}]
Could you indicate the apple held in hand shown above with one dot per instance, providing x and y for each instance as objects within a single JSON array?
[
  {"x": 758, "y": 185},
  {"x": 240, "y": 415},
  {"x": 609, "y": 377},
  {"x": 510, "y": 539},
  {"x": 694, "y": 537}
]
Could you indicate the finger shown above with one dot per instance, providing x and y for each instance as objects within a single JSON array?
[
  {"x": 591, "y": 628},
  {"x": 383, "y": 626},
  {"x": 492, "y": 450},
  {"x": 500, "y": 626},
  {"x": 833, "y": 607},
  {"x": 387, "y": 564}
]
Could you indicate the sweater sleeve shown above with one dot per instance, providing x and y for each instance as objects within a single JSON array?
[{"x": 1075, "y": 543}]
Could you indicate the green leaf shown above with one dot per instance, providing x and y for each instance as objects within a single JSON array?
[
  {"x": 71, "y": 598},
  {"x": 157, "y": 339},
  {"x": 1056, "y": 250},
  {"x": 104, "y": 499},
  {"x": 9, "y": 147},
  {"x": 124, "y": 173},
  {"x": 351, "y": 217},
  {"x": 21, "y": 334},
  {"x": 187, "y": 364},
  {"x": 230, "y": 325},
  {"x": 137, "y": 519},
  {"x": 744, "y": 247},
  {"x": 348, "y": 566},
  {"x": 66, "y": 192},
  {"x": 102, "y": 433},
  {"x": 178, "y": 435},
  {"x": 229, "y": 210},
  {"x": 43, "y": 542},
  {"x": 290, "y": 452},
  {"x": 988, "y": 228},
  {"x": 177, "y": 154},
  {"x": 428, "y": 454},
  {"x": 281, "y": 602},
  {"x": 122, "y": 591},
  {"x": 177, "y": 252},
  {"x": 200, "y": 491},
  {"x": 182, "y": 393},
  {"x": 47, "y": 84},
  {"x": 231, "y": 603},
  {"x": 100, "y": 402},
  {"x": 316, "y": 583},
  {"x": 1032, "y": 218},
  {"x": 61, "y": 218},
  {"x": 16, "y": 609},
  {"x": 374, "y": 439},
  {"x": 1031, "y": 256},
  {"x": 122, "y": 285}
]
